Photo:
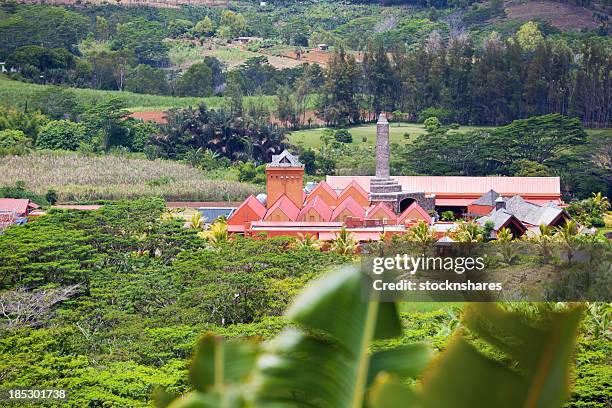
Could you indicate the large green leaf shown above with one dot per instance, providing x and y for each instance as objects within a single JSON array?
[
  {"x": 217, "y": 362},
  {"x": 218, "y": 371},
  {"x": 325, "y": 361},
  {"x": 463, "y": 377}
]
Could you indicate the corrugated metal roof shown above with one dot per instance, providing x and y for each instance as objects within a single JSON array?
[
  {"x": 453, "y": 202},
  {"x": 17, "y": 205},
  {"x": 212, "y": 213},
  {"x": 460, "y": 184}
]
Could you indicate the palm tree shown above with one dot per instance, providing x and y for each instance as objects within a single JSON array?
[
  {"x": 196, "y": 221},
  {"x": 344, "y": 243},
  {"x": 217, "y": 234},
  {"x": 308, "y": 241},
  {"x": 506, "y": 249},
  {"x": 469, "y": 232},
  {"x": 504, "y": 235},
  {"x": 543, "y": 242},
  {"x": 567, "y": 235},
  {"x": 421, "y": 235}
]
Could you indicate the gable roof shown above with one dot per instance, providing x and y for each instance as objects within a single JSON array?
[
  {"x": 17, "y": 205},
  {"x": 323, "y": 187},
  {"x": 501, "y": 218},
  {"x": 254, "y": 204},
  {"x": 320, "y": 206},
  {"x": 353, "y": 185},
  {"x": 533, "y": 214},
  {"x": 285, "y": 205},
  {"x": 414, "y": 207},
  {"x": 487, "y": 198},
  {"x": 285, "y": 159},
  {"x": 351, "y": 205},
  {"x": 384, "y": 207}
]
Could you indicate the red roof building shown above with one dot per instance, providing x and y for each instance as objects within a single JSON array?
[
  {"x": 19, "y": 206},
  {"x": 250, "y": 210},
  {"x": 317, "y": 210},
  {"x": 455, "y": 191},
  {"x": 346, "y": 202},
  {"x": 356, "y": 192},
  {"x": 282, "y": 210},
  {"x": 414, "y": 212},
  {"x": 381, "y": 211},
  {"x": 349, "y": 208},
  {"x": 326, "y": 193}
]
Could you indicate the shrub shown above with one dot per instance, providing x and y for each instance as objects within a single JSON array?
[
  {"x": 343, "y": 136},
  {"x": 432, "y": 124},
  {"x": 13, "y": 142},
  {"x": 444, "y": 115},
  {"x": 61, "y": 134}
]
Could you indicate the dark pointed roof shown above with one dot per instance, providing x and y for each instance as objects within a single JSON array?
[
  {"x": 285, "y": 159},
  {"x": 487, "y": 198}
]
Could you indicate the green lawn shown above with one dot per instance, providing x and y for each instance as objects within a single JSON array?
[{"x": 312, "y": 137}]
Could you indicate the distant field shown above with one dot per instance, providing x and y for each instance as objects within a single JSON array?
[
  {"x": 79, "y": 178},
  {"x": 312, "y": 137},
  {"x": 15, "y": 93}
]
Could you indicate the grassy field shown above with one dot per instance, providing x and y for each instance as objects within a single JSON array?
[
  {"x": 15, "y": 93},
  {"x": 312, "y": 137},
  {"x": 78, "y": 178}
]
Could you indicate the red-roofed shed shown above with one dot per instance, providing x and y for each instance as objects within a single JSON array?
[{"x": 19, "y": 206}]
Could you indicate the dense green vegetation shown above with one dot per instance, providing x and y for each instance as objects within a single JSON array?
[
  {"x": 123, "y": 293},
  {"x": 128, "y": 295}
]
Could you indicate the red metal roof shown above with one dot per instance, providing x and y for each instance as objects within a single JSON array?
[
  {"x": 461, "y": 185},
  {"x": 325, "y": 187},
  {"x": 414, "y": 206},
  {"x": 320, "y": 206},
  {"x": 352, "y": 184},
  {"x": 287, "y": 206},
  {"x": 351, "y": 205},
  {"x": 384, "y": 207},
  {"x": 17, "y": 205},
  {"x": 254, "y": 204},
  {"x": 454, "y": 202}
]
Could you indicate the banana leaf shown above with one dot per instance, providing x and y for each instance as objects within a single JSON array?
[{"x": 324, "y": 361}]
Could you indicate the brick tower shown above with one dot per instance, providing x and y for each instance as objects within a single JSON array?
[{"x": 285, "y": 175}]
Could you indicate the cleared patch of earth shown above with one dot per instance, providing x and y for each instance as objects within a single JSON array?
[{"x": 565, "y": 17}]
